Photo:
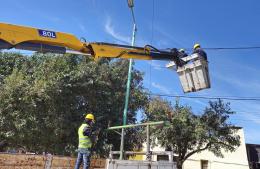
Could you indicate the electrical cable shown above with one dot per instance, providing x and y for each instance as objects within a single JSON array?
[
  {"x": 234, "y": 48},
  {"x": 152, "y": 23},
  {"x": 209, "y": 48},
  {"x": 150, "y": 65},
  {"x": 248, "y": 112},
  {"x": 234, "y": 98},
  {"x": 245, "y": 120},
  {"x": 225, "y": 48}
]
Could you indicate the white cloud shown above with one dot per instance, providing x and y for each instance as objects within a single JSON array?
[
  {"x": 249, "y": 116},
  {"x": 82, "y": 27},
  {"x": 116, "y": 35},
  {"x": 253, "y": 118},
  {"x": 155, "y": 65},
  {"x": 245, "y": 84},
  {"x": 248, "y": 111},
  {"x": 38, "y": 13},
  {"x": 204, "y": 104},
  {"x": 51, "y": 18},
  {"x": 170, "y": 38},
  {"x": 163, "y": 89}
]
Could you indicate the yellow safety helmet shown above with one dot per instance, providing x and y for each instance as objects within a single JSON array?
[
  {"x": 196, "y": 46},
  {"x": 90, "y": 116}
]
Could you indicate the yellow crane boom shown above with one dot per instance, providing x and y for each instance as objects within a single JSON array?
[
  {"x": 193, "y": 76},
  {"x": 28, "y": 38}
]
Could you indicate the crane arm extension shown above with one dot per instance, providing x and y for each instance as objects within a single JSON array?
[
  {"x": 127, "y": 52},
  {"x": 28, "y": 38}
]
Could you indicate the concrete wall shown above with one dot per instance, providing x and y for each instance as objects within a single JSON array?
[
  {"x": 26, "y": 161},
  {"x": 128, "y": 164}
]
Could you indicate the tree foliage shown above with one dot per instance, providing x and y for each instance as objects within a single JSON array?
[
  {"x": 188, "y": 133},
  {"x": 44, "y": 98}
]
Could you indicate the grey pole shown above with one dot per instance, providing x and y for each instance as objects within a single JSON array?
[{"x": 148, "y": 152}]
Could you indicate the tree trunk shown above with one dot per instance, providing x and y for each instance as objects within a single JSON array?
[{"x": 179, "y": 164}]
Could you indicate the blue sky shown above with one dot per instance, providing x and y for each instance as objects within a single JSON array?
[{"x": 176, "y": 23}]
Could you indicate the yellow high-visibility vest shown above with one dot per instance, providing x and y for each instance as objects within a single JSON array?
[{"x": 84, "y": 141}]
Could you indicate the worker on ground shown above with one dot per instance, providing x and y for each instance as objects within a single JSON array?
[
  {"x": 202, "y": 54},
  {"x": 85, "y": 141}
]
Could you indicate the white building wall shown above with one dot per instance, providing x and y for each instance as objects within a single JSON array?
[
  {"x": 234, "y": 160},
  {"x": 157, "y": 148}
]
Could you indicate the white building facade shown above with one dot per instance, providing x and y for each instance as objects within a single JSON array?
[{"x": 207, "y": 160}]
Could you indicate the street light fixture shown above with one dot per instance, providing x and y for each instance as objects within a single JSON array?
[{"x": 130, "y": 3}]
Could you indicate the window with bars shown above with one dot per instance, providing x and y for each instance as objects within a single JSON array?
[
  {"x": 204, "y": 164},
  {"x": 162, "y": 158},
  {"x": 258, "y": 153}
]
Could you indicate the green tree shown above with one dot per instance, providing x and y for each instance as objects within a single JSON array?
[
  {"x": 188, "y": 133},
  {"x": 44, "y": 98}
]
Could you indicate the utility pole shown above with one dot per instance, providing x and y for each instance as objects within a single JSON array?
[{"x": 130, "y": 5}]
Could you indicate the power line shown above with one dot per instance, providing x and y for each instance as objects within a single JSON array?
[
  {"x": 234, "y": 98},
  {"x": 234, "y": 48},
  {"x": 150, "y": 66},
  {"x": 245, "y": 111},
  {"x": 152, "y": 24},
  {"x": 226, "y": 48},
  {"x": 190, "y": 49},
  {"x": 244, "y": 120}
]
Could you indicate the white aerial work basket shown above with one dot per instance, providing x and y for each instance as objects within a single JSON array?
[{"x": 194, "y": 76}]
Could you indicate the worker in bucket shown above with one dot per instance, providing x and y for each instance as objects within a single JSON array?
[
  {"x": 202, "y": 54},
  {"x": 182, "y": 53},
  {"x": 85, "y": 143},
  {"x": 179, "y": 54}
]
